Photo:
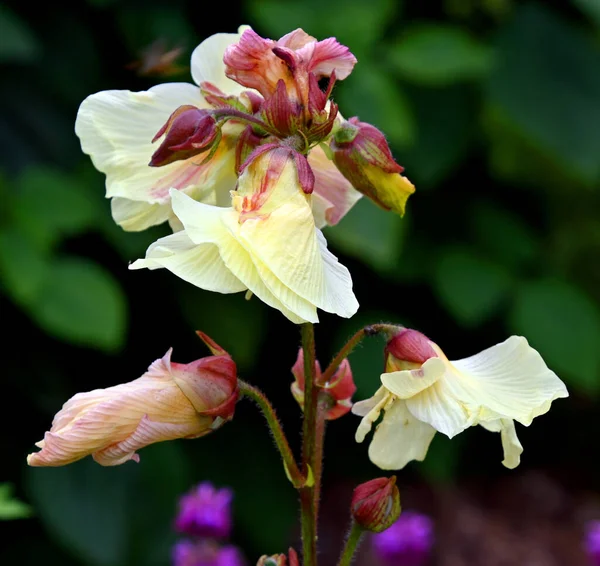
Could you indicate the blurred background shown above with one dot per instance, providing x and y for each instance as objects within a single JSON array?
[{"x": 492, "y": 106}]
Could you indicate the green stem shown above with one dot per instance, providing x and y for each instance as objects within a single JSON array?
[
  {"x": 347, "y": 348},
  {"x": 354, "y": 536},
  {"x": 323, "y": 405},
  {"x": 291, "y": 468},
  {"x": 309, "y": 445}
]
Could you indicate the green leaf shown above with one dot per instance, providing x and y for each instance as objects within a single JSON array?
[
  {"x": 471, "y": 288},
  {"x": 372, "y": 94},
  {"x": 370, "y": 234},
  {"x": 86, "y": 508},
  {"x": 355, "y": 23},
  {"x": 504, "y": 235},
  {"x": 443, "y": 459},
  {"x": 82, "y": 303},
  {"x": 23, "y": 268},
  {"x": 436, "y": 54},
  {"x": 550, "y": 95},
  {"x": 563, "y": 324},
  {"x": 11, "y": 508},
  {"x": 18, "y": 43},
  {"x": 50, "y": 204}
]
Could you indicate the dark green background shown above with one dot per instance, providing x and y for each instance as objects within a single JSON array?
[{"x": 493, "y": 107}]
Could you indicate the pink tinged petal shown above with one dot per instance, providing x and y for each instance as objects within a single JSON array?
[
  {"x": 333, "y": 194},
  {"x": 207, "y": 62},
  {"x": 296, "y": 39},
  {"x": 148, "y": 432},
  {"x": 328, "y": 56}
]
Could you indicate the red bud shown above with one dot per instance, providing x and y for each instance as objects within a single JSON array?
[
  {"x": 376, "y": 504},
  {"x": 408, "y": 347}
]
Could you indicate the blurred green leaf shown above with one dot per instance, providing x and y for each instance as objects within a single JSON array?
[
  {"x": 10, "y": 507},
  {"x": 18, "y": 44},
  {"x": 438, "y": 54},
  {"x": 370, "y": 234},
  {"x": 470, "y": 287},
  {"x": 49, "y": 204},
  {"x": 550, "y": 95},
  {"x": 23, "y": 268},
  {"x": 372, "y": 94},
  {"x": 591, "y": 8},
  {"x": 562, "y": 323},
  {"x": 504, "y": 235},
  {"x": 355, "y": 23},
  {"x": 443, "y": 459},
  {"x": 82, "y": 303},
  {"x": 86, "y": 507}
]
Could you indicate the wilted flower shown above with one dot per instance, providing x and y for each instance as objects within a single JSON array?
[
  {"x": 407, "y": 542},
  {"x": 592, "y": 542},
  {"x": 206, "y": 553},
  {"x": 423, "y": 392},
  {"x": 340, "y": 387},
  {"x": 169, "y": 401},
  {"x": 205, "y": 512},
  {"x": 376, "y": 504},
  {"x": 266, "y": 242},
  {"x": 361, "y": 153}
]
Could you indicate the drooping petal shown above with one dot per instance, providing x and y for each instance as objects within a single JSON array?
[
  {"x": 333, "y": 195},
  {"x": 327, "y": 56},
  {"x": 207, "y": 62},
  {"x": 510, "y": 442},
  {"x": 370, "y": 409},
  {"x": 509, "y": 379},
  {"x": 399, "y": 438}
]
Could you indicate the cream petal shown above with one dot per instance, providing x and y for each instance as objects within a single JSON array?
[
  {"x": 510, "y": 442},
  {"x": 508, "y": 380},
  {"x": 372, "y": 409},
  {"x": 399, "y": 438},
  {"x": 206, "y": 224},
  {"x": 136, "y": 215},
  {"x": 407, "y": 383},
  {"x": 363, "y": 408},
  {"x": 333, "y": 194},
  {"x": 207, "y": 62},
  {"x": 148, "y": 432},
  {"x": 198, "y": 264}
]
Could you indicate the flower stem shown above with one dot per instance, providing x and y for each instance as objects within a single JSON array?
[
  {"x": 291, "y": 468},
  {"x": 323, "y": 405},
  {"x": 347, "y": 348},
  {"x": 354, "y": 536},
  {"x": 309, "y": 493}
]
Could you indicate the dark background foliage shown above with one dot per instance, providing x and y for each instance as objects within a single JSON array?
[{"x": 493, "y": 107}]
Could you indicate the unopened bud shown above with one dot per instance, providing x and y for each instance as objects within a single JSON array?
[
  {"x": 376, "y": 504},
  {"x": 189, "y": 131},
  {"x": 279, "y": 559},
  {"x": 361, "y": 153},
  {"x": 407, "y": 350}
]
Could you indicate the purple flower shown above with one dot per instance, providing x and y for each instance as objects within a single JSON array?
[
  {"x": 407, "y": 542},
  {"x": 205, "y": 512},
  {"x": 205, "y": 553},
  {"x": 592, "y": 542}
]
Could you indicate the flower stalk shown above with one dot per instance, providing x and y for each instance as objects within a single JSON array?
[{"x": 353, "y": 539}]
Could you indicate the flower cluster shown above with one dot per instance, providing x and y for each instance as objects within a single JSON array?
[
  {"x": 251, "y": 163},
  {"x": 205, "y": 516}
]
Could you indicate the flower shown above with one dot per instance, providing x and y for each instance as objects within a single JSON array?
[
  {"x": 423, "y": 392},
  {"x": 407, "y": 542},
  {"x": 592, "y": 542},
  {"x": 340, "y": 388},
  {"x": 205, "y": 512},
  {"x": 206, "y": 553},
  {"x": 376, "y": 504},
  {"x": 169, "y": 401},
  {"x": 279, "y": 559},
  {"x": 117, "y": 129},
  {"x": 266, "y": 242}
]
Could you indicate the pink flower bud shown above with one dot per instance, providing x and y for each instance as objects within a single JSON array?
[
  {"x": 408, "y": 349},
  {"x": 171, "y": 400},
  {"x": 279, "y": 559},
  {"x": 376, "y": 504},
  {"x": 361, "y": 153},
  {"x": 340, "y": 388},
  {"x": 189, "y": 131}
]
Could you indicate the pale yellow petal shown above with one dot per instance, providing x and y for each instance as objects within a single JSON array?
[
  {"x": 136, "y": 215},
  {"x": 407, "y": 383},
  {"x": 399, "y": 438},
  {"x": 510, "y": 442},
  {"x": 372, "y": 409},
  {"x": 509, "y": 380}
]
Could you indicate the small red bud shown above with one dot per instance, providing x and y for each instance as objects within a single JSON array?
[
  {"x": 407, "y": 349},
  {"x": 189, "y": 131},
  {"x": 376, "y": 504},
  {"x": 279, "y": 559}
]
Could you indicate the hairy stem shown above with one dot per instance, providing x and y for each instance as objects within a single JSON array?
[
  {"x": 291, "y": 467},
  {"x": 309, "y": 444},
  {"x": 354, "y": 536},
  {"x": 323, "y": 405}
]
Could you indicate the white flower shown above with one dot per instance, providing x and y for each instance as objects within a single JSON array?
[{"x": 423, "y": 392}]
